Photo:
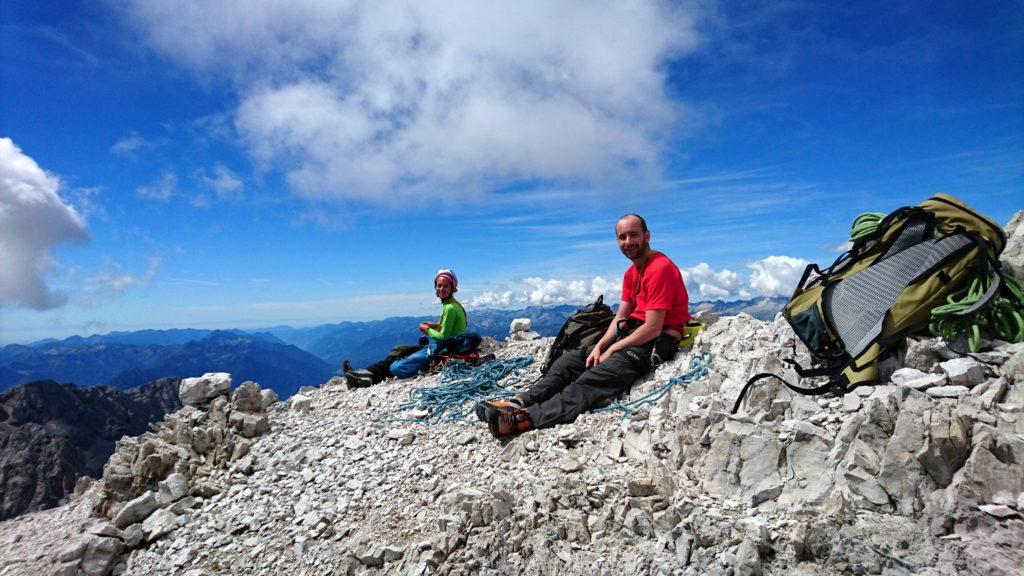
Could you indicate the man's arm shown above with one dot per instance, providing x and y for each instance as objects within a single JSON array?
[
  {"x": 649, "y": 330},
  {"x": 625, "y": 309}
]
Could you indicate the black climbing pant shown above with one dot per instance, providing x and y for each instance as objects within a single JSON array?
[
  {"x": 569, "y": 389},
  {"x": 381, "y": 368}
]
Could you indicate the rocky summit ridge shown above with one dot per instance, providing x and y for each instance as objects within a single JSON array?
[{"x": 921, "y": 474}]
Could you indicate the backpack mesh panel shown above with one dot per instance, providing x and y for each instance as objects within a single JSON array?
[{"x": 859, "y": 303}]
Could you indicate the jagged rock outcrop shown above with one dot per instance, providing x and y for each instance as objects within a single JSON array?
[{"x": 52, "y": 434}]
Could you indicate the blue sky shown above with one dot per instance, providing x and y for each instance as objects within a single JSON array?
[{"x": 193, "y": 164}]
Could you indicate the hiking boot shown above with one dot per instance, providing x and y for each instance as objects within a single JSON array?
[
  {"x": 508, "y": 421},
  {"x": 483, "y": 407},
  {"x": 359, "y": 378}
]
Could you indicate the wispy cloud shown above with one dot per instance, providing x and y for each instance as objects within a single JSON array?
[
  {"x": 112, "y": 281},
  {"x": 131, "y": 144},
  {"x": 162, "y": 190}
]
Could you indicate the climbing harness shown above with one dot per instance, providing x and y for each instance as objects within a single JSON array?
[
  {"x": 699, "y": 364},
  {"x": 461, "y": 387}
]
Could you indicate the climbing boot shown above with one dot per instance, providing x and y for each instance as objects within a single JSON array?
[
  {"x": 359, "y": 378},
  {"x": 484, "y": 407},
  {"x": 508, "y": 421}
]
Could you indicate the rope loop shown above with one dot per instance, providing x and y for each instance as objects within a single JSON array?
[{"x": 699, "y": 366}]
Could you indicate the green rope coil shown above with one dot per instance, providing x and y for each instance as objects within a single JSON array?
[
  {"x": 865, "y": 224},
  {"x": 1002, "y": 317}
]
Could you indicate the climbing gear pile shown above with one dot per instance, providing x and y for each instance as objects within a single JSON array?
[
  {"x": 931, "y": 265},
  {"x": 699, "y": 365},
  {"x": 461, "y": 387}
]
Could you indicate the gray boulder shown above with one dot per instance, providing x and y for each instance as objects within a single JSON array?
[
  {"x": 247, "y": 397},
  {"x": 136, "y": 510}
]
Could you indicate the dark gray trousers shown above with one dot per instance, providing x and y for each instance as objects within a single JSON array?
[{"x": 569, "y": 389}]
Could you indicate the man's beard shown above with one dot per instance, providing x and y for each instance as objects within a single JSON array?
[{"x": 640, "y": 251}]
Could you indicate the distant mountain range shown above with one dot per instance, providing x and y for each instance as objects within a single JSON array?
[
  {"x": 51, "y": 434},
  {"x": 94, "y": 361},
  {"x": 281, "y": 357}
]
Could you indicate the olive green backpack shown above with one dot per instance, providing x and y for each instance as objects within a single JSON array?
[{"x": 931, "y": 265}]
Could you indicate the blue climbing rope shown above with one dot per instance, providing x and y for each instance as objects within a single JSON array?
[
  {"x": 699, "y": 364},
  {"x": 461, "y": 387}
]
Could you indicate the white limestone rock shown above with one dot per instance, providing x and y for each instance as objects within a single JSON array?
[
  {"x": 947, "y": 391},
  {"x": 519, "y": 325},
  {"x": 964, "y": 371},
  {"x": 300, "y": 403},
  {"x": 195, "y": 391}
]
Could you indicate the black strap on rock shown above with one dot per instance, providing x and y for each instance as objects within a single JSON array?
[{"x": 831, "y": 386}]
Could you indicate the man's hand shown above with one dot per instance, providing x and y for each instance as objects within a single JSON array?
[
  {"x": 424, "y": 326},
  {"x": 595, "y": 357}
]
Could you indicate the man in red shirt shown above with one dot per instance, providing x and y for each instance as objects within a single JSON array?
[{"x": 646, "y": 330}]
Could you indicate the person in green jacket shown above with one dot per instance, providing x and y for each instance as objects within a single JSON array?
[{"x": 403, "y": 364}]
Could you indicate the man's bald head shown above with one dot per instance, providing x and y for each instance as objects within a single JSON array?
[{"x": 630, "y": 217}]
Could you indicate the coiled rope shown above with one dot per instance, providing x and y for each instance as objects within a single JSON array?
[
  {"x": 865, "y": 224},
  {"x": 699, "y": 364},
  {"x": 461, "y": 387},
  {"x": 1002, "y": 317}
]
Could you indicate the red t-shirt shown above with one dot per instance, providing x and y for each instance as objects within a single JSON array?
[{"x": 661, "y": 288}]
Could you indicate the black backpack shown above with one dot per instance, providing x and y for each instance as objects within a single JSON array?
[
  {"x": 464, "y": 343},
  {"x": 584, "y": 328}
]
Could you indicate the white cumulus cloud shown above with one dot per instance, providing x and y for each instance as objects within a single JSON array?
[
  {"x": 536, "y": 291},
  {"x": 396, "y": 100},
  {"x": 776, "y": 275},
  {"x": 34, "y": 219},
  {"x": 704, "y": 283}
]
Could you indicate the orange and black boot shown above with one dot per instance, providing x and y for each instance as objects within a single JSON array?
[
  {"x": 482, "y": 409},
  {"x": 508, "y": 421}
]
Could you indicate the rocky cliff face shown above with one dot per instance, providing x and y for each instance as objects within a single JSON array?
[{"x": 51, "y": 434}]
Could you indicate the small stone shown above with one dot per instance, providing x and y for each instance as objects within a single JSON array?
[
  {"x": 247, "y": 397},
  {"x": 641, "y": 487},
  {"x": 569, "y": 465},
  {"x": 465, "y": 438},
  {"x": 172, "y": 489},
  {"x": 136, "y": 510},
  {"x": 947, "y": 391},
  {"x": 998, "y": 510},
  {"x": 300, "y": 403},
  {"x": 399, "y": 433},
  {"x": 851, "y": 403},
  {"x": 904, "y": 375},
  {"x": 268, "y": 398},
  {"x": 927, "y": 381},
  {"x": 159, "y": 523},
  {"x": 964, "y": 371}
]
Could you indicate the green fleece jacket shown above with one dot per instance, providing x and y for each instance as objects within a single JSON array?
[{"x": 453, "y": 320}]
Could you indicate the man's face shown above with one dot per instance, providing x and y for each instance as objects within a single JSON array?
[
  {"x": 633, "y": 241},
  {"x": 443, "y": 287}
]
